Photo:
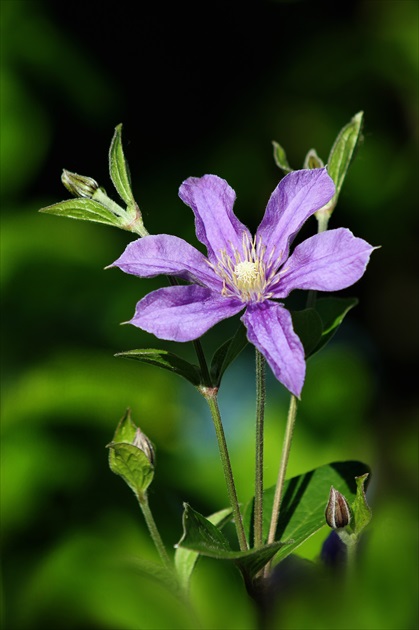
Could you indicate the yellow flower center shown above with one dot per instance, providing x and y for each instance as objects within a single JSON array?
[{"x": 246, "y": 274}]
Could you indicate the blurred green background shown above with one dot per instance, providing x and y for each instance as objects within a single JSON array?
[{"x": 199, "y": 89}]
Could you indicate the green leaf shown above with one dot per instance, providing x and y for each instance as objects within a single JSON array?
[
  {"x": 308, "y": 326},
  {"x": 154, "y": 571},
  {"x": 118, "y": 168},
  {"x": 332, "y": 312},
  {"x": 304, "y": 502},
  {"x": 343, "y": 151},
  {"x": 226, "y": 354},
  {"x": 200, "y": 535},
  {"x": 83, "y": 209},
  {"x": 167, "y": 361},
  {"x": 185, "y": 559},
  {"x": 281, "y": 158},
  {"x": 132, "y": 464},
  {"x": 361, "y": 511}
]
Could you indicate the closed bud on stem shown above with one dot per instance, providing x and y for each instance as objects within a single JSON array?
[
  {"x": 312, "y": 160},
  {"x": 338, "y": 514},
  {"x": 79, "y": 185},
  {"x": 142, "y": 442}
]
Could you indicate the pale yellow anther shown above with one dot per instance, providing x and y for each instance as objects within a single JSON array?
[{"x": 247, "y": 275}]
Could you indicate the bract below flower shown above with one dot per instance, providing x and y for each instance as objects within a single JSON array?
[{"x": 245, "y": 272}]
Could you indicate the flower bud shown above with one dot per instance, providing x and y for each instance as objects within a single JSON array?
[
  {"x": 79, "y": 185},
  {"x": 142, "y": 442},
  {"x": 338, "y": 514},
  {"x": 312, "y": 160}
]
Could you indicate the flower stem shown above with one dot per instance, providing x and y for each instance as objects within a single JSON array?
[
  {"x": 260, "y": 416},
  {"x": 210, "y": 395},
  {"x": 202, "y": 363},
  {"x": 154, "y": 532},
  {"x": 292, "y": 413}
]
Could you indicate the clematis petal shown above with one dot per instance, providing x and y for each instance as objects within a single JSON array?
[
  {"x": 165, "y": 254},
  {"x": 217, "y": 227},
  {"x": 329, "y": 261},
  {"x": 297, "y": 196},
  {"x": 269, "y": 328},
  {"x": 183, "y": 313}
]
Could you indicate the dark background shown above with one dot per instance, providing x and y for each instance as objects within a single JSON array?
[{"x": 199, "y": 89}]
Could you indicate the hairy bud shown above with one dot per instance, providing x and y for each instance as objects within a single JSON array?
[{"x": 338, "y": 514}]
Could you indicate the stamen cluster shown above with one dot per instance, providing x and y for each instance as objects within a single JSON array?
[{"x": 248, "y": 273}]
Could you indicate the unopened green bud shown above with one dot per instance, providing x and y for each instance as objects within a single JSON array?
[
  {"x": 79, "y": 185},
  {"x": 338, "y": 514},
  {"x": 142, "y": 442},
  {"x": 312, "y": 160},
  {"x": 131, "y": 455}
]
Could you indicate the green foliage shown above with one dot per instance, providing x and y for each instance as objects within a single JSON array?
[
  {"x": 361, "y": 511},
  {"x": 308, "y": 326},
  {"x": 185, "y": 559},
  {"x": 226, "y": 354},
  {"x": 167, "y": 361},
  {"x": 119, "y": 169},
  {"x": 304, "y": 502},
  {"x": 281, "y": 158},
  {"x": 343, "y": 151},
  {"x": 316, "y": 326},
  {"x": 67, "y": 526},
  {"x": 201, "y": 536},
  {"x": 82, "y": 209}
]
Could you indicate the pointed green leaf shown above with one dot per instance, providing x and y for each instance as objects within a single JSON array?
[
  {"x": 343, "y": 151},
  {"x": 308, "y": 326},
  {"x": 332, "y": 312},
  {"x": 361, "y": 511},
  {"x": 304, "y": 501},
  {"x": 83, "y": 209},
  {"x": 118, "y": 168},
  {"x": 185, "y": 559},
  {"x": 200, "y": 535},
  {"x": 226, "y": 354},
  {"x": 281, "y": 158},
  {"x": 167, "y": 361},
  {"x": 132, "y": 464}
]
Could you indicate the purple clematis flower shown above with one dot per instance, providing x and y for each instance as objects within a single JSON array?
[{"x": 242, "y": 272}]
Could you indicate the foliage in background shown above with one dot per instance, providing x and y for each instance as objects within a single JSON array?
[{"x": 66, "y": 520}]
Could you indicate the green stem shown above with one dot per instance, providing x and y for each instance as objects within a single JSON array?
[
  {"x": 351, "y": 556},
  {"x": 210, "y": 395},
  {"x": 292, "y": 413},
  {"x": 130, "y": 217},
  {"x": 154, "y": 532},
  {"x": 322, "y": 221},
  {"x": 101, "y": 197},
  {"x": 202, "y": 363},
  {"x": 260, "y": 416}
]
